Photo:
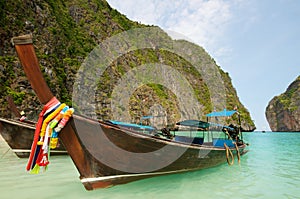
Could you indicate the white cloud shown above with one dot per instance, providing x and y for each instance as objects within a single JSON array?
[{"x": 204, "y": 22}]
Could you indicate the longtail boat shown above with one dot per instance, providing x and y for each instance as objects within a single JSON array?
[
  {"x": 106, "y": 154},
  {"x": 19, "y": 137},
  {"x": 18, "y": 132}
]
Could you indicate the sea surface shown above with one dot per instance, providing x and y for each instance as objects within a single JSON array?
[{"x": 271, "y": 169}]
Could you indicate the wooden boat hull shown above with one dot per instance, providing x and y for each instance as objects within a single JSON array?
[
  {"x": 19, "y": 136},
  {"x": 108, "y": 155}
]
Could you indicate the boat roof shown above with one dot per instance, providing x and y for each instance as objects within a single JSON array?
[
  {"x": 147, "y": 117},
  {"x": 150, "y": 116},
  {"x": 194, "y": 123},
  {"x": 224, "y": 113},
  {"x": 125, "y": 124}
]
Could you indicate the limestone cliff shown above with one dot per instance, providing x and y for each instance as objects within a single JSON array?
[
  {"x": 65, "y": 32},
  {"x": 283, "y": 111}
]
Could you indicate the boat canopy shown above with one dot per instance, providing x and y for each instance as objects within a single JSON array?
[
  {"x": 151, "y": 116},
  {"x": 194, "y": 123},
  {"x": 224, "y": 113},
  {"x": 125, "y": 124},
  {"x": 147, "y": 117}
]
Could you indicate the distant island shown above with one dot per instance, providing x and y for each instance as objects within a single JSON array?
[{"x": 283, "y": 111}]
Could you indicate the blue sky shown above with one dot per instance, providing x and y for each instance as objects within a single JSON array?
[{"x": 255, "y": 41}]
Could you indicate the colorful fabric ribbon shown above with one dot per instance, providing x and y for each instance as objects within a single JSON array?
[{"x": 52, "y": 119}]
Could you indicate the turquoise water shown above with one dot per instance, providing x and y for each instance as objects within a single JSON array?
[{"x": 271, "y": 169}]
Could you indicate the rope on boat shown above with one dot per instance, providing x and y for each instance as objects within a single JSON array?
[
  {"x": 5, "y": 153},
  {"x": 229, "y": 153},
  {"x": 238, "y": 153},
  {"x": 237, "y": 150},
  {"x": 53, "y": 118}
]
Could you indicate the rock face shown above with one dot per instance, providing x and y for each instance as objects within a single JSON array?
[
  {"x": 65, "y": 33},
  {"x": 283, "y": 111}
]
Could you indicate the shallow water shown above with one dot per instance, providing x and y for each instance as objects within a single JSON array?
[{"x": 271, "y": 169}]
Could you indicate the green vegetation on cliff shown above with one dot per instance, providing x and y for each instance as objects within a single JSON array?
[
  {"x": 64, "y": 33},
  {"x": 283, "y": 111},
  {"x": 291, "y": 95}
]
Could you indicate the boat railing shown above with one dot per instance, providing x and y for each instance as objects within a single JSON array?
[{"x": 187, "y": 135}]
